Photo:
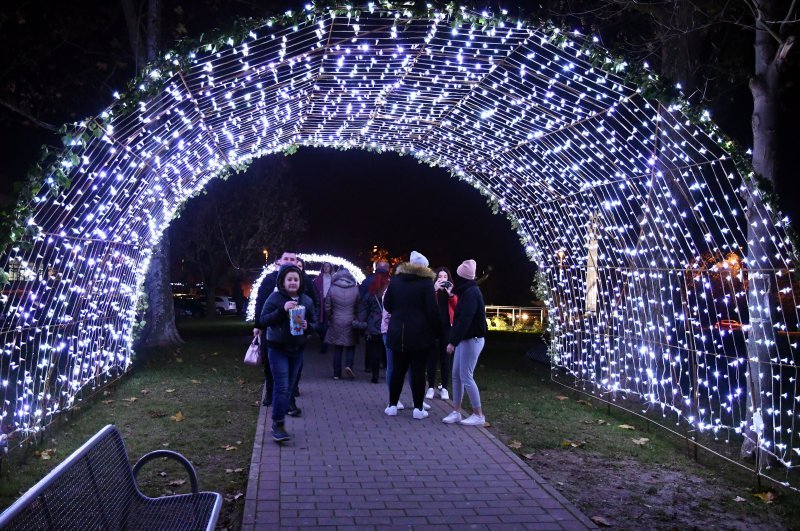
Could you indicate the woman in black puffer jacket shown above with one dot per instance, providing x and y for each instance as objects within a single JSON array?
[
  {"x": 466, "y": 341},
  {"x": 413, "y": 328}
]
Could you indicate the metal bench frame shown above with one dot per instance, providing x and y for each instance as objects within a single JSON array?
[{"x": 52, "y": 502}]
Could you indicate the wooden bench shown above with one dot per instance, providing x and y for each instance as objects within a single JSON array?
[{"x": 95, "y": 488}]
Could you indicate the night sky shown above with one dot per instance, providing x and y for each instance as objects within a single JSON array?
[{"x": 356, "y": 199}]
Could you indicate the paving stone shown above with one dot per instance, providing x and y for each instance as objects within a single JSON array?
[{"x": 349, "y": 466}]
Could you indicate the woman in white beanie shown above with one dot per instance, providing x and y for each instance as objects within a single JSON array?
[
  {"x": 413, "y": 327},
  {"x": 467, "y": 340}
]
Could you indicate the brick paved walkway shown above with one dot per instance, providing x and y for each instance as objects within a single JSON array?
[{"x": 349, "y": 465}]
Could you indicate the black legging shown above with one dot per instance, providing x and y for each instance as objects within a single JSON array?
[
  {"x": 439, "y": 356},
  {"x": 415, "y": 359}
]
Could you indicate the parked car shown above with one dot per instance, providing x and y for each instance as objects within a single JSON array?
[
  {"x": 185, "y": 307},
  {"x": 223, "y": 304}
]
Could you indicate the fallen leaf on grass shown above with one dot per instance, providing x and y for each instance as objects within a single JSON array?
[
  {"x": 528, "y": 456},
  {"x": 515, "y": 445},
  {"x": 233, "y": 470},
  {"x": 131, "y": 399},
  {"x": 562, "y": 397},
  {"x": 157, "y": 414},
  {"x": 641, "y": 442},
  {"x": 599, "y": 520},
  {"x": 626, "y": 427},
  {"x": 196, "y": 381},
  {"x": 162, "y": 474},
  {"x": 766, "y": 497},
  {"x": 108, "y": 402},
  {"x": 566, "y": 443},
  {"x": 178, "y": 417},
  {"x": 178, "y": 360},
  {"x": 170, "y": 391},
  {"x": 739, "y": 499},
  {"x": 106, "y": 393},
  {"x": 229, "y": 447},
  {"x": 145, "y": 391},
  {"x": 242, "y": 381},
  {"x": 215, "y": 353},
  {"x": 234, "y": 497},
  {"x": 45, "y": 455},
  {"x": 177, "y": 482},
  {"x": 585, "y": 403}
]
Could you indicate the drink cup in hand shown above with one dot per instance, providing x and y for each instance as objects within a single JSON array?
[{"x": 296, "y": 317}]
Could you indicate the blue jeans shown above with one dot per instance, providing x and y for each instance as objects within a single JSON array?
[
  {"x": 350, "y": 357},
  {"x": 285, "y": 367}
]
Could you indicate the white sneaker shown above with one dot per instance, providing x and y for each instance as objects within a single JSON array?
[
  {"x": 453, "y": 417},
  {"x": 429, "y": 394},
  {"x": 443, "y": 394},
  {"x": 426, "y": 406},
  {"x": 420, "y": 414},
  {"x": 391, "y": 411},
  {"x": 474, "y": 420},
  {"x": 400, "y": 405}
]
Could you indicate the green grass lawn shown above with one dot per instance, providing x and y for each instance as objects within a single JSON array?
[{"x": 198, "y": 399}]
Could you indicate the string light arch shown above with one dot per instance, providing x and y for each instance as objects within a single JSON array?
[
  {"x": 310, "y": 258},
  {"x": 632, "y": 203}
]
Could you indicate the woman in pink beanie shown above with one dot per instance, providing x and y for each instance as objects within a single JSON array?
[{"x": 466, "y": 341}]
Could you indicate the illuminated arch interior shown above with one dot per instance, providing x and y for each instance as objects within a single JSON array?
[
  {"x": 310, "y": 258},
  {"x": 633, "y": 208}
]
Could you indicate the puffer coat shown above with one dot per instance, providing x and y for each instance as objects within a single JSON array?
[
  {"x": 410, "y": 299},
  {"x": 341, "y": 309}
]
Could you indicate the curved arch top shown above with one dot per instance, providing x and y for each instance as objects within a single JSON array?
[{"x": 635, "y": 213}]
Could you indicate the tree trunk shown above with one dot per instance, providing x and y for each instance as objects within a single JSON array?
[
  {"x": 762, "y": 290},
  {"x": 159, "y": 329},
  {"x": 211, "y": 293}
]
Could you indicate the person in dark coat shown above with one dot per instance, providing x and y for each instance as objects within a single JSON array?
[
  {"x": 265, "y": 290},
  {"x": 466, "y": 342},
  {"x": 446, "y": 301},
  {"x": 413, "y": 327},
  {"x": 370, "y": 313},
  {"x": 321, "y": 286},
  {"x": 285, "y": 350}
]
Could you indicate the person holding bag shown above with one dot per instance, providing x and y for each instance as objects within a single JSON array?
[{"x": 284, "y": 348}]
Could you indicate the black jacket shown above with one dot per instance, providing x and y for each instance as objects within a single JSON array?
[
  {"x": 264, "y": 291},
  {"x": 469, "y": 319},
  {"x": 276, "y": 321},
  {"x": 268, "y": 286},
  {"x": 410, "y": 299}
]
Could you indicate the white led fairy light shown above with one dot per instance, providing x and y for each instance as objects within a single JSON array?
[{"x": 542, "y": 123}]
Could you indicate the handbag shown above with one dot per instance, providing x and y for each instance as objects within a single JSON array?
[{"x": 253, "y": 355}]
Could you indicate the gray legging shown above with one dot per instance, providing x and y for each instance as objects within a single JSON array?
[{"x": 464, "y": 362}]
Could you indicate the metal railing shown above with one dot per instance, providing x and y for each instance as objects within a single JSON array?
[{"x": 516, "y": 318}]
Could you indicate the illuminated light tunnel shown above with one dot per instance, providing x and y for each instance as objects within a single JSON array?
[{"x": 634, "y": 206}]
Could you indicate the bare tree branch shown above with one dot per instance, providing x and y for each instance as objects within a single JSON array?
[{"x": 28, "y": 116}]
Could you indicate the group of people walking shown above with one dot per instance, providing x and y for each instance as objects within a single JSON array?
[{"x": 417, "y": 320}]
